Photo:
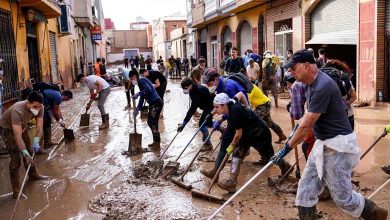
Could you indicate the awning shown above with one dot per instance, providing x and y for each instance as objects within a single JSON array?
[{"x": 346, "y": 37}]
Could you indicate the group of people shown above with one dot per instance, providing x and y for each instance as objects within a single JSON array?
[
  {"x": 139, "y": 62},
  {"x": 321, "y": 97},
  {"x": 174, "y": 67}
]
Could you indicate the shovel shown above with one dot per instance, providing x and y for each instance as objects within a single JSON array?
[
  {"x": 84, "y": 120},
  {"x": 207, "y": 195},
  {"x": 68, "y": 134},
  {"x": 373, "y": 144},
  {"x": 172, "y": 166},
  {"x": 135, "y": 141},
  {"x": 179, "y": 181}
]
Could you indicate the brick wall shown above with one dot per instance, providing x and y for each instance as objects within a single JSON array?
[
  {"x": 282, "y": 10},
  {"x": 171, "y": 25},
  {"x": 123, "y": 39}
]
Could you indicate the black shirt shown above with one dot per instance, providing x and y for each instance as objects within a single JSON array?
[
  {"x": 234, "y": 65},
  {"x": 242, "y": 118},
  {"x": 200, "y": 98},
  {"x": 156, "y": 75}
]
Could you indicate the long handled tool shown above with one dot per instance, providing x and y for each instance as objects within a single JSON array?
[
  {"x": 373, "y": 144},
  {"x": 21, "y": 188},
  {"x": 162, "y": 155},
  {"x": 135, "y": 140},
  {"x": 298, "y": 170},
  {"x": 207, "y": 195},
  {"x": 174, "y": 165},
  {"x": 289, "y": 171},
  {"x": 379, "y": 189},
  {"x": 242, "y": 188},
  {"x": 179, "y": 181},
  {"x": 205, "y": 158}
]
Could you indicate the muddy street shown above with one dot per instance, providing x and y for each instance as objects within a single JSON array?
[{"x": 91, "y": 179}]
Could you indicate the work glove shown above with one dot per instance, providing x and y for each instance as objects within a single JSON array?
[
  {"x": 35, "y": 145},
  {"x": 281, "y": 154},
  {"x": 181, "y": 126},
  {"x": 217, "y": 125},
  {"x": 230, "y": 149},
  {"x": 387, "y": 129},
  {"x": 93, "y": 96},
  {"x": 88, "y": 107},
  {"x": 27, "y": 156},
  {"x": 61, "y": 123},
  {"x": 135, "y": 96}
]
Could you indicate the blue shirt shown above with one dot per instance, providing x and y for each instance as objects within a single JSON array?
[
  {"x": 125, "y": 75},
  {"x": 324, "y": 96},
  {"x": 147, "y": 92},
  {"x": 51, "y": 97},
  {"x": 230, "y": 87}
]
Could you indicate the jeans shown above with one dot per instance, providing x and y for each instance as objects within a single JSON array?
[{"x": 102, "y": 99}]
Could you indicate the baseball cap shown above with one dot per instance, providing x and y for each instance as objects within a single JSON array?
[
  {"x": 209, "y": 75},
  {"x": 301, "y": 56}
]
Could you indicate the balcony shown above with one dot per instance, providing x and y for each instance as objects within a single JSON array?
[
  {"x": 242, "y": 5},
  {"x": 49, "y": 8},
  {"x": 189, "y": 19},
  {"x": 197, "y": 15},
  {"x": 83, "y": 13}
]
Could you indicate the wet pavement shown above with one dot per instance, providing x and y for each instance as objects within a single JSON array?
[{"x": 91, "y": 179}]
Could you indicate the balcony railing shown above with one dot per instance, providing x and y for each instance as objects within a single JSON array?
[{"x": 49, "y": 8}]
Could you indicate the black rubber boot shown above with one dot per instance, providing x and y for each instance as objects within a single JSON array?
[
  {"x": 373, "y": 212},
  {"x": 284, "y": 167},
  {"x": 307, "y": 213}
]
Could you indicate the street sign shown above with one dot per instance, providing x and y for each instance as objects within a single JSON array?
[{"x": 96, "y": 37}]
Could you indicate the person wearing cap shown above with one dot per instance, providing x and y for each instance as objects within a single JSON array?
[
  {"x": 197, "y": 71},
  {"x": 244, "y": 129},
  {"x": 217, "y": 84},
  {"x": 148, "y": 92},
  {"x": 253, "y": 71},
  {"x": 98, "y": 87},
  {"x": 234, "y": 63},
  {"x": 200, "y": 98},
  {"x": 335, "y": 152},
  {"x": 269, "y": 76}
]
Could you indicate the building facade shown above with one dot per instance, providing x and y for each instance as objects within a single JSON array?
[
  {"x": 162, "y": 35},
  {"x": 353, "y": 31}
]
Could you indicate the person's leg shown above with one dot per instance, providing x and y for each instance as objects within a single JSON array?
[
  {"x": 309, "y": 187},
  {"x": 127, "y": 92},
  {"x": 263, "y": 111},
  {"x": 47, "y": 143},
  {"x": 102, "y": 100},
  {"x": 205, "y": 131},
  {"x": 274, "y": 90},
  {"x": 14, "y": 163},
  {"x": 153, "y": 117},
  {"x": 265, "y": 88},
  {"x": 351, "y": 120}
]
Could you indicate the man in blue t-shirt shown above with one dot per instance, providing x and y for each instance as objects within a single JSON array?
[
  {"x": 335, "y": 151},
  {"x": 51, "y": 101}
]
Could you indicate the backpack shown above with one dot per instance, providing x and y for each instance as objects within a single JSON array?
[
  {"x": 242, "y": 79},
  {"x": 340, "y": 78}
]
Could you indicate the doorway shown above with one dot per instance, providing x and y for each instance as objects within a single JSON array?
[{"x": 33, "y": 53}]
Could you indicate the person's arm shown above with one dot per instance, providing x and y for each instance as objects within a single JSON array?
[
  {"x": 298, "y": 100},
  {"x": 17, "y": 129},
  {"x": 192, "y": 109},
  {"x": 352, "y": 96},
  {"x": 57, "y": 112},
  {"x": 309, "y": 119},
  {"x": 39, "y": 128},
  {"x": 156, "y": 83},
  {"x": 242, "y": 99},
  {"x": 237, "y": 137}
]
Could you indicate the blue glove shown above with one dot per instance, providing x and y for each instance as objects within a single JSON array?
[
  {"x": 281, "y": 154},
  {"x": 181, "y": 126},
  {"x": 135, "y": 96},
  {"x": 217, "y": 124},
  {"x": 35, "y": 145}
]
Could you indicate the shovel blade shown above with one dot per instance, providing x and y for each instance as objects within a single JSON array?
[
  {"x": 84, "y": 120},
  {"x": 135, "y": 143},
  {"x": 207, "y": 196},
  {"x": 180, "y": 183},
  {"x": 68, "y": 134}
]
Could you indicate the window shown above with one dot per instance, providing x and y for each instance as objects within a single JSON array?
[
  {"x": 283, "y": 38},
  {"x": 214, "y": 53}
]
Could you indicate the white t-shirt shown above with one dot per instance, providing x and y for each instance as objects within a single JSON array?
[
  {"x": 91, "y": 80},
  {"x": 252, "y": 71}
]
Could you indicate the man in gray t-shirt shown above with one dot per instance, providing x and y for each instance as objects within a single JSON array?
[
  {"x": 335, "y": 151},
  {"x": 324, "y": 97}
]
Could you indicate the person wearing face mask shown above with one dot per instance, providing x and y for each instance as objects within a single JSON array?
[
  {"x": 14, "y": 131},
  {"x": 200, "y": 98},
  {"x": 217, "y": 84},
  {"x": 97, "y": 86},
  {"x": 148, "y": 92}
]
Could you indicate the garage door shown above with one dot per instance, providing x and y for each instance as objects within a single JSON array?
[
  {"x": 335, "y": 22},
  {"x": 245, "y": 38},
  {"x": 53, "y": 57}
]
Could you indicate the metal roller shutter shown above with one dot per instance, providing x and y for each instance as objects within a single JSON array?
[
  {"x": 53, "y": 57},
  {"x": 335, "y": 22},
  {"x": 245, "y": 37}
]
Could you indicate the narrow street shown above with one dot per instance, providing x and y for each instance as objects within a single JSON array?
[{"x": 90, "y": 178}]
